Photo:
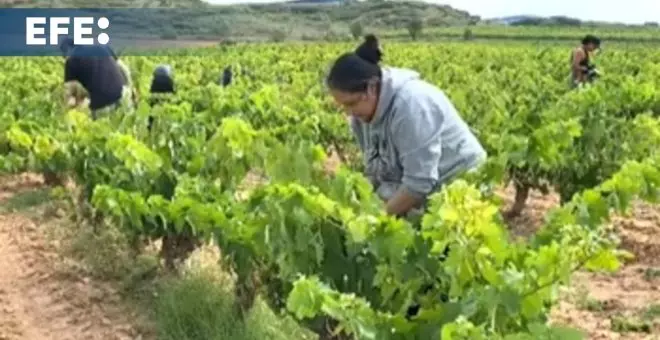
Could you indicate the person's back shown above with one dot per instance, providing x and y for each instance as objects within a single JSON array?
[
  {"x": 579, "y": 60},
  {"x": 227, "y": 76},
  {"x": 162, "y": 81},
  {"x": 96, "y": 70},
  {"x": 162, "y": 85},
  {"x": 581, "y": 55},
  {"x": 126, "y": 74}
]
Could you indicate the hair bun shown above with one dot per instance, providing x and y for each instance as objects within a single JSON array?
[{"x": 369, "y": 49}]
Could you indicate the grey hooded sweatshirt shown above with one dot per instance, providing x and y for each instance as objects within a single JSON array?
[{"x": 416, "y": 139}]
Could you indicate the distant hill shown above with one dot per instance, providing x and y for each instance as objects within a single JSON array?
[
  {"x": 312, "y": 2},
  {"x": 513, "y": 19},
  {"x": 306, "y": 19},
  {"x": 534, "y": 20},
  {"x": 101, "y": 3}
]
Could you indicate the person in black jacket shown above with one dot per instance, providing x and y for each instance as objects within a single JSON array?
[
  {"x": 93, "y": 68},
  {"x": 162, "y": 83},
  {"x": 227, "y": 76}
]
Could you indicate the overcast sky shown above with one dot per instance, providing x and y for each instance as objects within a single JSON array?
[{"x": 630, "y": 11}]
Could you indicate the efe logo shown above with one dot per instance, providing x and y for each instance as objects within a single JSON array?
[{"x": 59, "y": 26}]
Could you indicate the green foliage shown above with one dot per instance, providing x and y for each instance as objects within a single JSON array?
[
  {"x": 467, "y": 34},
  {"x": 196, "y": 307},
  {"x": 414, "y": 27},
  {"x": 318, "y": 246},
  {"x": 356, "y": 29},
  {"x": 278, "y": 35}
]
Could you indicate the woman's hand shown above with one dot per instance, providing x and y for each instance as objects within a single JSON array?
[{"x": 401, "y": 203}]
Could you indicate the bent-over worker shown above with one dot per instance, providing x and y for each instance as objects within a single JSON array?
[
  {"x": 412, "y": 138},
  {"x": 95, "y": 68}
]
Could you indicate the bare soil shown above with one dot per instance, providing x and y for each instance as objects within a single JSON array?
[
  {"x": 624, "y": 305},
  {"x": 42, "y": 299}
]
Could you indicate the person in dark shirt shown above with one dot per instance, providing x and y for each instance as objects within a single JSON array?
[
  {"x": 229, "y": 73},
  {"x": 95, "y": 68},
  {"x": 162, "y": 81},
  {"x": 582, "y": 70},
  {"x": 162, "y": 84},
  {"x": 227, "y": 76}
]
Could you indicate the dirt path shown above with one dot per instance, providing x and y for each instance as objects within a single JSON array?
[{"x": 39, "y": 299}]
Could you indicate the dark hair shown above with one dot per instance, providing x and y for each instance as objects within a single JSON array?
[
  {"x": 370, "y": 38},
  {"x": 591, "y": 39},
  {"x": 351, "y": 73},
  {"x": 369, "y": 50}
]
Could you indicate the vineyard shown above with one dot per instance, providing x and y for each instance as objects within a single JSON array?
[{"x": 268, "y": 170}]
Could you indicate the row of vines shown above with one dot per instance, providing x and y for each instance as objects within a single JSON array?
[{"x": 316, "y": 244}]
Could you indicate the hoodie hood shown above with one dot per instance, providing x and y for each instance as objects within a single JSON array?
[{"x": 393, "y": 79}]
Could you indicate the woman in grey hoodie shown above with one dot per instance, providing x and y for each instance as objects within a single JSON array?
[{"x": 412, "y": 138}]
